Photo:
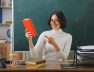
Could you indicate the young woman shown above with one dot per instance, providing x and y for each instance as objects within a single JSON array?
[{"x": 54, "y": 44}]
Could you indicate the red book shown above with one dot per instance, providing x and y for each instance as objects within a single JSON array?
[{"x": 28, "y": 24}]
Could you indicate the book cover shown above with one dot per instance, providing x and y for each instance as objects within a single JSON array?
[
  {"x": 85, "y": 58},
  {"x": 89, "y": 55},
  {"x": 35, "y": 66},
  {"x": 86, "y": 48},
  {"x": 35, "y": 61},
  {"x": 28, "y": 24}
]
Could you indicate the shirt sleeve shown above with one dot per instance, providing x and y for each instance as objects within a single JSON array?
[
  {"x": 37, "y": 51},
  {"x": 63, "y": 53}
]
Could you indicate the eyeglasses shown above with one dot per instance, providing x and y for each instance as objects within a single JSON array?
[{"x": 55, "y": 21}]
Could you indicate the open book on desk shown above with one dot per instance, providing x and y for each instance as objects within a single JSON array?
[
  {"x": 38, "y": 63},
  {"x": 35, "y": 61}
]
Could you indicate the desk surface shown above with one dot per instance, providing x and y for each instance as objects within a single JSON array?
[{"x": 50, "y": 66}]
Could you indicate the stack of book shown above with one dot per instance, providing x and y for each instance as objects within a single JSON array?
[
  {"x": 85, "y": 56},
  {"x": 36, "y": 63}
]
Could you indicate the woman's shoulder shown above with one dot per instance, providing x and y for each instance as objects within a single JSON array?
[
  {"x": 45, "y": 32},
  {"x": 68, "y": 34}
]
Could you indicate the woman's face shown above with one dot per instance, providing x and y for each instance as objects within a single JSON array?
[{"x": 54, "y": 22}]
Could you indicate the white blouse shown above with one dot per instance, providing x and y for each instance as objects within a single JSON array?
[{"x": 46, "y": 51}]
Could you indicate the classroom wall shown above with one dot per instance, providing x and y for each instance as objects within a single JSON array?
[
  {"x": 6, "y": 16},
  {"x": 3, "y": 33}
]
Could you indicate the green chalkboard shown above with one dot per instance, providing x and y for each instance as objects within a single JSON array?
[{"x": 79, "y": 15}]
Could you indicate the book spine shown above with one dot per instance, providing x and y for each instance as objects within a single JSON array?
[
  {"x": 39, "y": 62},
  {"x": 33, "y": 30}
]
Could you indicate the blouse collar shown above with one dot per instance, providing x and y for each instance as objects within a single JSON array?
[{"x": 56, "y": 31}]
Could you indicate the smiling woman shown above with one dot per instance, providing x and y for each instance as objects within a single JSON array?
[
  {"x": 54, "y": 22},
  {"x": 54, "y": 44},
  {"x": 58, "y": 19}
]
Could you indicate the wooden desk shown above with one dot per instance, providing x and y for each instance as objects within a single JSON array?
[{"x": 49, "y": 67}]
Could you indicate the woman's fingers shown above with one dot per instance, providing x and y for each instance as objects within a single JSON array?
[
  {"x": 29, "y": 33},
  {"x": 26, "y": 30},
  {"x": 47, "y": 37}
]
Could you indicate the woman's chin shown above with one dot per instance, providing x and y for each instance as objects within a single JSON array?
[{"x": 56, "y": 28}]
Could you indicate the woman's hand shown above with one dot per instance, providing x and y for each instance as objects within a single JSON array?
[
  {"x": 29, "y": 37},
  {"x": 28, "y": 34},
  {"x": 52, "y": 41}
]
